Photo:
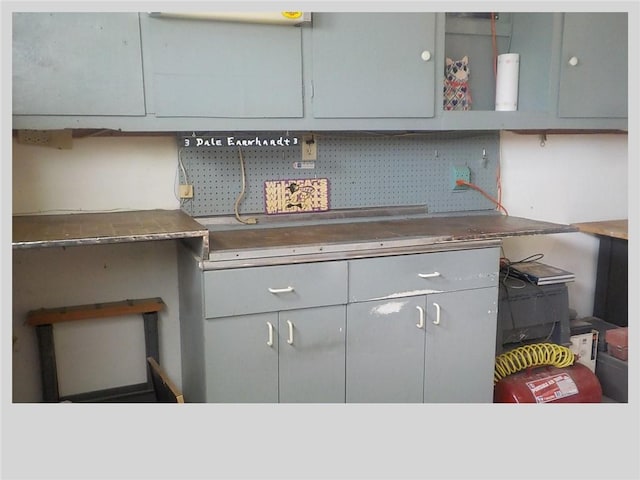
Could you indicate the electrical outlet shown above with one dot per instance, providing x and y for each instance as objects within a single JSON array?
[
  {"x": 309, "y": 148},
  {"x": 186, "y": 191},
  {"x": 460, "y": 172},
  {"x": 60, "y": 139}
]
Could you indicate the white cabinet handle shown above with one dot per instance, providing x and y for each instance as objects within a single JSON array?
[
  {"x": 281, "y": 290},
  {"x": 437, "y": 320},
  {"x": 290, "y": 339},
  {"x": 429, "y": 275},
  {"x": 426, "y": 55},
  {"x": 270, "y": 339},
  {"x": 420, "y": 323},
  {"x": 573, "y": 61}
]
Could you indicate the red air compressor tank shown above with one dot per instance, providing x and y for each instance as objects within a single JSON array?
[{"x": 548, "y": 384}]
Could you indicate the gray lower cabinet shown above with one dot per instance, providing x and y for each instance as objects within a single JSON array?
[
  {"x": 240, "y": 366},
  {"x": 434, "y": 348},
  {"x": 385, "y": 351},
  {"x": 421, "y": 328},
  {"x": 287, "y": 357},
  {"x": 460, "y": 331},
  {"x": 312, "y": 355},
  {"x": 403, "y": 328},
  {"x": 274, "y": 334}
]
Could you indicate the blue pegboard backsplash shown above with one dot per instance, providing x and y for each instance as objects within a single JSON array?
[{"x": 365, "y": 170}]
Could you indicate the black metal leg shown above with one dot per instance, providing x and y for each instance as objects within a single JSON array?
[
  {"x": 49, "y": 372},
  {"x": 48, "y": 368},
  {"x": 151, "y": 341},
  {"x": 611, "y": 293}
]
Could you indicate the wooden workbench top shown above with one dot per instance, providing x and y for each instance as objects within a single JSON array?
[
  {"x": 251, "y": 246},
  {"x": 450, "y": 228},
  {"x": 35, "y": 231},
  {"x": 117, "y": 227},
  {"x": 607, "y": 228}
]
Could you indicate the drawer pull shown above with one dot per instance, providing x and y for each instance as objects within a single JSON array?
[
  {"x": 270, "y": 339},
  {"x": 281, "y": 290},
  {"x": 429, "y": 275},
  {"x": 437, "y": 320},
  {"x": 420, "y": 323},
  {"x": 290, "y": 339}
]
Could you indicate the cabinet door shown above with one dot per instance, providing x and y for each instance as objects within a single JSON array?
[
  {"x": 77, "y": 64},
  {"x": 460, "y": 346},
  {"x": 312, "y": 355},
  {"x": 207, "y": 68},
  {"x": 385, "y": 351},
  {"x": 368, "y": 65},
  {"x": 241, "y": 359},
  {"x": 593, "y": 70}
]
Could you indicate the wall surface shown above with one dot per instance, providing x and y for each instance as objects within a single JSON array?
[
  {"x": 97, "y": 174},
  {"x": 573, "y": 178}
]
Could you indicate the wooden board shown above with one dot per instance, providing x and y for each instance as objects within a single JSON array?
[
  {"x": 45, "y": 316},
  {"x": 30, "y": 231},
  {"x": 165, "y": 390},
  {"x": 607, "y": 228}
]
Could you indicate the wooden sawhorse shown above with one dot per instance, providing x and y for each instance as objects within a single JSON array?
[{"x": 43, "y": 319}]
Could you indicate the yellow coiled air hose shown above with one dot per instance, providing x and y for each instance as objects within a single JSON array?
[{"x": 534, "y": 355}]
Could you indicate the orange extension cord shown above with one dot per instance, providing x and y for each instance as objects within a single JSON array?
[{"x": 477, "y": 188}]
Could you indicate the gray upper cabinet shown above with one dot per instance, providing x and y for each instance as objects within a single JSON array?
[
  {"x": 342, "y": 71},
  {"x": 369, "y": 65},
  {"x": 77, "y": 64},
  {"x": 593, "y": 69},
  {"x": 203, "y": 68}
]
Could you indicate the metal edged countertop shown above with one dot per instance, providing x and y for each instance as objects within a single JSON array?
[
  {"x": 278, "y": 244},
  {"x": 295, "y": 244},
  {"x": 38, "y": 231}
]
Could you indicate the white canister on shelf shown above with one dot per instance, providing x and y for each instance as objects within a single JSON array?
[{"x": 507, "y": 77}]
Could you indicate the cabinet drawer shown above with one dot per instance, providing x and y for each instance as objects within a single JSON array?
[
  {"x": 269, "y": 289},
  {"x": 407, "y": 275}
]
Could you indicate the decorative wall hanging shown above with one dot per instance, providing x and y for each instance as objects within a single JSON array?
[{"x": 296, "y": 196}]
